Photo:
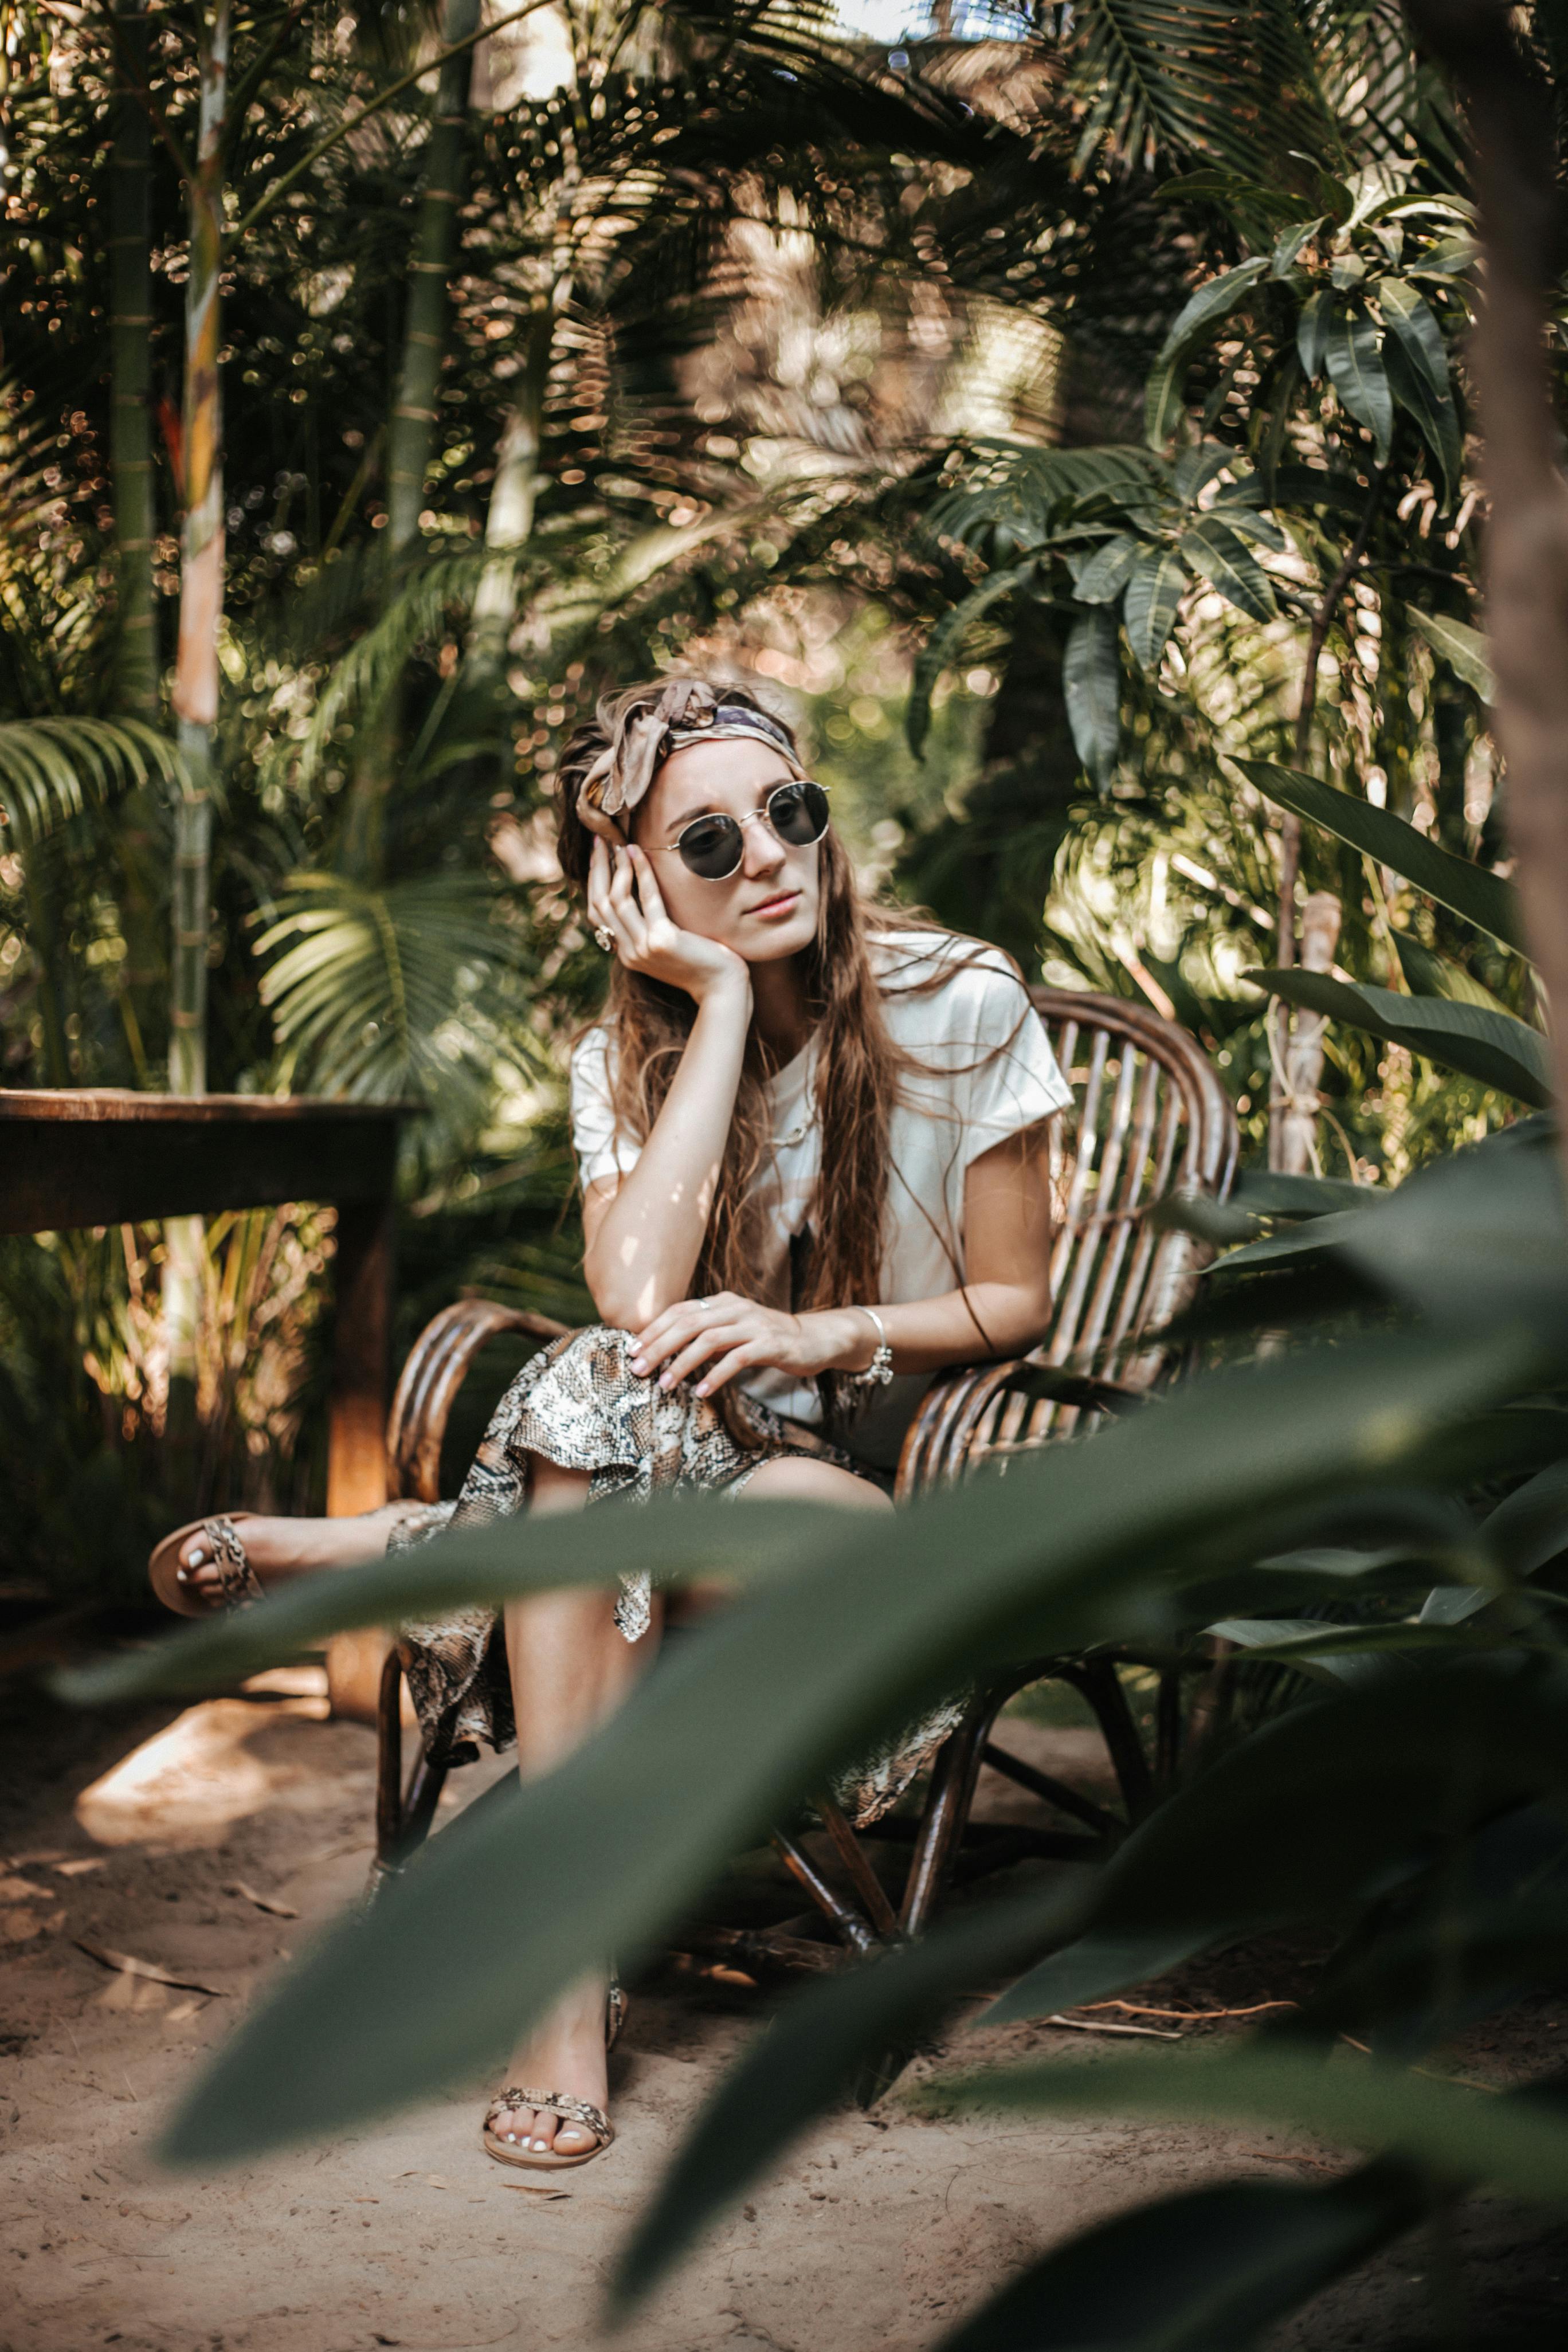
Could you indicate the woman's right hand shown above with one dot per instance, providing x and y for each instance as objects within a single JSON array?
[{"x": 624, "y": 898}]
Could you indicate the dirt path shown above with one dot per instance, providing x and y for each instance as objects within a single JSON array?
[{"x": 152, "y": 1836}]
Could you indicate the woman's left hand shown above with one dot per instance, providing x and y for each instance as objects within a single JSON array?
[{"x": 729, "y": 1333}]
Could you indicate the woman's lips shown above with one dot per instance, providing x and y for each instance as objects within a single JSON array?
[{"x": 782, "y": 905}]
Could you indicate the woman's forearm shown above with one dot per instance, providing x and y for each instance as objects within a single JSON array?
[
  {"x": 984, "y": 1319},
  {"x": 644, "y": 1245}
]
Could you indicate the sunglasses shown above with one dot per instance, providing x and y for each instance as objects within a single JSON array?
[{"x": 712, "y": 847}]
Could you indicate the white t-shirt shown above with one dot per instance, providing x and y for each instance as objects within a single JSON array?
[{"x": 985, "y": 1070}]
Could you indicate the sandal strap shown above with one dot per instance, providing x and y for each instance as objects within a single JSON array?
[
  {"x": 237, "y": 1582},
  {"x": 554, "y": 2102}
]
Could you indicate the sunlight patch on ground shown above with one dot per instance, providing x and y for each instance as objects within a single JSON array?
[{"x": 215, "y": 1764}]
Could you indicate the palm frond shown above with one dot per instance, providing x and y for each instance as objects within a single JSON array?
[
  {"x": 51, "y": 770},
  {"x": 410, "y": 991},
  {"x": 1199, "y": 80}
]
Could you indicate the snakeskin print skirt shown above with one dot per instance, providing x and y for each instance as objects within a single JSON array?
[{"x": 579, "y": 1403}]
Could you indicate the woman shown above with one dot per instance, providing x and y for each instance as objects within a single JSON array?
[{"x": 812, "y": 1144}]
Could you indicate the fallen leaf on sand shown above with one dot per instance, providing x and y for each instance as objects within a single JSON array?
[
  {"x": 22, "y": 1890},
  {"x": 535, "y": 2188},
  {"x": 262, "y": 1902},
  {"x": 434, "y": 2179},
  {"x": 130, "y": 1966},
  {"x": 75, "y": 1869}
]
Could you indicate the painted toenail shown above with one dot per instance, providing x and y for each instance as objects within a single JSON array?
[{"x": 542, "y": 2142}]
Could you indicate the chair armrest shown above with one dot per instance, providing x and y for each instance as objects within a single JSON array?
[{"x": 438, "y": 1363}]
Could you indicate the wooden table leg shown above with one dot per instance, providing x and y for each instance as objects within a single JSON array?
[{"x": 356, "y": 1458}]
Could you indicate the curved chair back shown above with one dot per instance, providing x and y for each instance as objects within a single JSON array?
[
  {"x": 1149, "y": 1118},
  {"x": 438, "y": 1363}
]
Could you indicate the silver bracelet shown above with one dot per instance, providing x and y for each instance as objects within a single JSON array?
[{"x": 879, "y": 1370}]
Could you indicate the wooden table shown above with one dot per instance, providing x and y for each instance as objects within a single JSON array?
[{"x": 101, "y": 1156}]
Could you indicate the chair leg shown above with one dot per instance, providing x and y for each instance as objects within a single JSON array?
[
  {"x": 1100, "y": 1684},
  {"x": 948, "y": 1800},
  {"x": 389, "y": 1762},
  {"x": 403, "y": 1816},
  {"x": 1168, "y": 1730},
  {"x": 862, "y": 1877},
  {"x": 851, "y": 1924}
]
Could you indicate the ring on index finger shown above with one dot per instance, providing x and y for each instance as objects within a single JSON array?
[{"x": 603, "y": 939}]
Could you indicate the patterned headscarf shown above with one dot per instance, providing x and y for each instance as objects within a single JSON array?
[{"x": 687, "y": 712}]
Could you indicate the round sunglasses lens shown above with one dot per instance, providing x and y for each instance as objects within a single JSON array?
[
  {"x": 798, "y": 814},
  {"x": 711, "y": 847}
]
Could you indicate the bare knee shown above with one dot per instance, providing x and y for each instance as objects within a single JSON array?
[{"x": 796, "y": 1479}]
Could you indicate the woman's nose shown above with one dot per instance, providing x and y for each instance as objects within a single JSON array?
[{"x": 766, "y": 853}]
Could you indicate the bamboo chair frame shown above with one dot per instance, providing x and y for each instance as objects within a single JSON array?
[{"x": 1149, "y": 1118}]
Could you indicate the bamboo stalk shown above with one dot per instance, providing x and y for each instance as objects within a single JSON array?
[
  {"x": 508, "y": 524},
  {"x": 195, "y": 695},
  {"x": 130, "y": 324},
  {"x": 201, "y": 573},
  {"x": 413, "y": 430},
  {"x": 1509, "y": 111}
]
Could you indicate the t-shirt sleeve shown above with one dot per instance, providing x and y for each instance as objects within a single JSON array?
[
  {"x": 602, "y": 1151},
  {"x": 1014, "y": 1079}
]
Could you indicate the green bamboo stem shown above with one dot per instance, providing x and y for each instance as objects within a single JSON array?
[
  {"x": 413, "y": 431},
  {"x": 131, "y": 324}
]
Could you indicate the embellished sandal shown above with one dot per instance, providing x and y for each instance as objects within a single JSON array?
[
  {"x": 515, "y": 2097},
  {"x": 238, "y": 1584}
]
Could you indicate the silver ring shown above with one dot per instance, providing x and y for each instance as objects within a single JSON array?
[{"x": 604, "y": 939}]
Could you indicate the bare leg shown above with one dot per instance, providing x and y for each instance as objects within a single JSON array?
[
  {"x": 571, "y": 1666},
  {"x": 187, "y": 1581},
  {"x": 793, "y": 1479}
]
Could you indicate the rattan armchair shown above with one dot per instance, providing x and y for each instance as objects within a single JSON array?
[{"x": 1149, "y": 1118}]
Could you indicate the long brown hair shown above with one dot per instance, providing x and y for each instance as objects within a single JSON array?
[{"x": 858, "y": 1069}]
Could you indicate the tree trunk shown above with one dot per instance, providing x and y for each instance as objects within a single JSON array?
[
  {"x": 131, "y": 325},
  {"x": 412, "y": 432},
  {"x": 1509, "y": 116},
  {"x": 1298, "y": 1123}
]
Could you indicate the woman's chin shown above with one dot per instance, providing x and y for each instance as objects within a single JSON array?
[{"x": 765, "y": 942}]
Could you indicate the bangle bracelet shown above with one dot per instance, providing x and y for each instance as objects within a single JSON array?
[{"x": 879, "y": 1370}]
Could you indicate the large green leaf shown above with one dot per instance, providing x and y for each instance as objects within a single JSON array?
[
  {"x": 1434, "y": 975},
  {"x": 1270, "y": 1194},
  {"x": 1463, "y": 648},
  {"x": 1491, "y": 1046},
  {"x": 1204, "y": 2270},
  {"x": 1481, "y": 897},
  {"x": 1214, "y": 300},
  {"x": 1074, "y": 1549},
  {"x": 1357, "y": 373},
  {"x": 1518, "y": 2143},
  {"x": 1525, "y": 1531},
  {"x": 1218, "y": 554},
  {"x": 1091, "y": 684},
  {"x": 1328, "y": 1805},
  {"x": 1153, "y": 594},
  {"x": 1102, "y": 578},
  {"x": 811, "y": 2054},
  {"x": 1417, "y": 368}
]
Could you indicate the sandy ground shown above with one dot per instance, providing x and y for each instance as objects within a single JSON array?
[{"x": 151, "y": 1836}]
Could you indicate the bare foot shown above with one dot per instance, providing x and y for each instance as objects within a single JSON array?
[
  {"x": 187, "y": 1577},
  {"x": 566, "y": 2054}
]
